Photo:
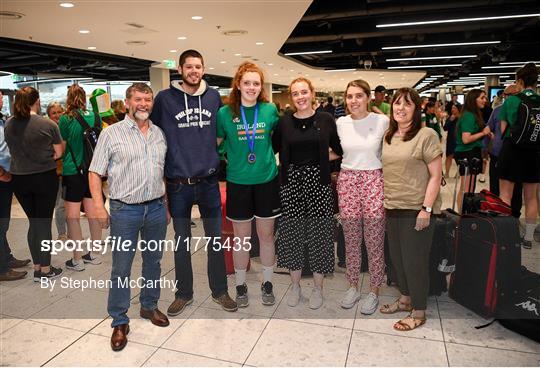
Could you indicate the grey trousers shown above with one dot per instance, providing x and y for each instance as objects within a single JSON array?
[{"x": 409, "y": 253}]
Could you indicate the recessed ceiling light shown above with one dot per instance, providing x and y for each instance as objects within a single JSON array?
[
  {"x": 84, "y": 31},
  {"x": 291, "y": 70},
  {"x": 182, "y": 38},
  {"x": 237, "y": 54},
  {"x": 91, "y": 47},
  {"x": 456, "y": 20},
  {"x": 172, "y": 50},
  {"x": 339, "y": 70},
  {"x": 223, "y": 62},
  {"x": 196, "y": 17},
  {"x": 259, "y": 43},
  {"x": 441, "y": 45},
  {"x": 211, "y": 68},
  {"x": 270, "y": 64},
  {"x": 67, "y": 5},
  {"x": 275, "y": 75}
]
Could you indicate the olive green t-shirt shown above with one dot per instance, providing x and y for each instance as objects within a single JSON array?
[
  {"x": 405, "y": 170},
  {"x": 384, "y": 107},
  {"x": 510, "y": 108},
  {"x": 72, "y": 132},
  {"x": 231, "y": 128},
  {"x": 467, "y": 124}
]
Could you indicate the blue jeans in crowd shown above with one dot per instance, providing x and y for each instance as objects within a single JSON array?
[
  {"x": 6, "y": 194},
  {"x": 127, "y": 221},
  {"x": 181, "y": 199}
]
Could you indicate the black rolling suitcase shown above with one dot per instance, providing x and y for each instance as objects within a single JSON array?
[{"x": 487, "y": 261}]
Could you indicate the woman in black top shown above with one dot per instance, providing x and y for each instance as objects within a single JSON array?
[{"x": 304, "y": 139}]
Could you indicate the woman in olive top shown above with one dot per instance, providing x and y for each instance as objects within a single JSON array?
[
  {"x": 303, "y": 140},
  {"x": 34, "y": 143},
  {"x": 412, "y": 165},
  {"x": 75, "y": 184},
  {"x": 470, "y": 132},
  {"x": 517, "y": 164},
  {"x": 246, "y": 124}
]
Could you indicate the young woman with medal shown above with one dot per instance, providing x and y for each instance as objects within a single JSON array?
[
  {"x": 304, "y": 139},
  {"x": 246, "y": 124}
]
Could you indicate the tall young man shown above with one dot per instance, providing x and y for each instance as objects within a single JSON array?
[{"x": 186, "y": 112}]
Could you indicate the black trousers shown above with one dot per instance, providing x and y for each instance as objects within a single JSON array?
[
  {"x": 517, "y": 195},
  {"x": 37, "y": 195}
]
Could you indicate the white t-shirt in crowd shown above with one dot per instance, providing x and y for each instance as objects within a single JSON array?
[{"x": 362, "y": 140}]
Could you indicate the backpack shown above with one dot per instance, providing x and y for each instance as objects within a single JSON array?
[
  {"x": 486, "y": 202},
  {"x": 525, "y": 133},
  {"x": 90, "y": 139}
]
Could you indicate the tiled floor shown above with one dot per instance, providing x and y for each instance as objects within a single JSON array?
[{"x": 40, "y": 327}]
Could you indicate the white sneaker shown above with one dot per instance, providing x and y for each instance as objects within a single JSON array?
[
  {"x": 369, "y": 306},
  {"x": 76, "y": 266},
  {"x": 351, "y": 297},
  {"x": 316, "y": 298},
  {"x": 294, "y": 296}
]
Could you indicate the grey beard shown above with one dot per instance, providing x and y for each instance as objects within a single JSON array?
[{"x": 141, "y": 115}]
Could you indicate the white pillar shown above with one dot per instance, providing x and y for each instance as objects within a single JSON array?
[
  {"x": 268, "y": 88},
  {"x": 159, "y": 79}
]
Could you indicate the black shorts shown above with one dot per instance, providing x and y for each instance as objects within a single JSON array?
[
  {"x": 75, "y": 188},
  {"x": 518, "y": 165},
  {"x": 476, "y": 152},
  {"x": 244, "y": 202}
]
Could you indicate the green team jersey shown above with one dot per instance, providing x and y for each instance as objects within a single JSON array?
[
  {"x": 509, "y": 109},
  {"x": 72, "y": 132},
  {"x": 467, "y": 124},
  {"x": 231, "y": 128}
]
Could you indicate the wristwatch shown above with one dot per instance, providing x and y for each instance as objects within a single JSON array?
[{"x": 427, "y": 209}]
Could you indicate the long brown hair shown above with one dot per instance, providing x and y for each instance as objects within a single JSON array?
[
  {"x": 471, "y": 106},
  {"x": 234, "y": 97},
  {"x": 76, "y": 99},
  {"x": 24, "y": 99},
  {"x": 411, "y": 96},
  {"x": 364, "y": 86}
]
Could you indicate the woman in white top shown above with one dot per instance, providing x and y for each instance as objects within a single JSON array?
[{"x": 360, "y": 192}]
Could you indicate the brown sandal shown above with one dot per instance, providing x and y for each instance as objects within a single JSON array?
[
  {"x": 395, "y": 307},
  {"x": 403, "y": 325}
]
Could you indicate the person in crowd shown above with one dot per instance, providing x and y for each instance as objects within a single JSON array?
[
  {"x": 450, "y": 128},
  {"x": 486, "y": 113},
  {"x": 360, "y": 192},
  {"x": 378, "y": 105},
  {"x": 54, "y": 111},
  {"x": 101, "y": 104},
  {"x": 470, "y": 132},
  {"x": 453, "y": 101},
  {"x": 494, "y": 148},
  {"x": 303, "y": 140},
  {"x": 412, "y": 164},
  {"x": 34, "y": 143},
  {"x": 137, "y": 203},
  {"x": 340, "y": 109},
  {"x": 119, "y": 108},
  {"x": 517, "y": 164},
  {"x": 187, "y": 113},
  {"x": 498, "y": 99},
  {"x": 75, "y": 183},
  {"x": 246, "y": 124},
  {"x": 329, "y": 107},
  {"x": 7, "y": 261},
  {"x": 430, "y": 118}
]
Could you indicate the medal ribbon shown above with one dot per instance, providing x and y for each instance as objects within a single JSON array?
[{"x": 250, "y": 139}]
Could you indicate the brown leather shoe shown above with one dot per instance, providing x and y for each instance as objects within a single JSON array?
[
  {"x": 18, "y": 263},
  {"x": 12, "y": 275},
  {"x": 226, "y": 302},
  {"x": 155, "y": 316},
  {"x": 119, "y": 337},
  {"x": 178, "y": 306}
]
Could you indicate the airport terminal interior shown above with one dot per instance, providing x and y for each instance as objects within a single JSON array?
[{"x": 444, "y": 50}]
